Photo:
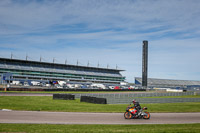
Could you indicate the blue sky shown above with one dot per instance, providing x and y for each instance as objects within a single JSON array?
[{"x": 106, "y": 31}]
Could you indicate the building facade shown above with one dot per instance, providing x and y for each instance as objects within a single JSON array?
[
  {"x": 23, "y": 70},
  {"x": 169, "y": 83}
]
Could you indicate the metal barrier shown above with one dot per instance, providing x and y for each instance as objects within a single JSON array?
[
  {"x": 152, "y": 100},
  {"x": 135, "y": 95},
  {"x": 126, "y": 98}
]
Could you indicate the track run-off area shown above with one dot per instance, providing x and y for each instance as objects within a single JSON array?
[{"x": 42, "y": 117}]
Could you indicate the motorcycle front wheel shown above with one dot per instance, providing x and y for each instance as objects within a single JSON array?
[
  {"x": 146, "y": 116},
  {"x": 127, "y": 115}
]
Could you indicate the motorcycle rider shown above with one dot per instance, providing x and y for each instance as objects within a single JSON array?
[{"x": 136, "y": 105}]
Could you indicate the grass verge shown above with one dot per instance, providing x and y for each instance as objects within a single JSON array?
[
  {"x": 41, "y": 103},
  {"x": 45, "y": 128}
]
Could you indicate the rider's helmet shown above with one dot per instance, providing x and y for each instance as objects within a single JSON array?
[{"x": 133, "y": 101}]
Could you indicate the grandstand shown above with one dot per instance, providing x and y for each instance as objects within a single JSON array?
[
  {"x": 23, "y": 70},
  {"x": 164, "y": 83}
]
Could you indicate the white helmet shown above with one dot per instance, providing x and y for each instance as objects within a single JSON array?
[{"x": 133, "y": 100}]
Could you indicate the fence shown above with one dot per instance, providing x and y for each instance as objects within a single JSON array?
[
  {"x": 133, "y": 95},
  {"x": 126, "y": 98},
  {"x": 151, "y": 100}
]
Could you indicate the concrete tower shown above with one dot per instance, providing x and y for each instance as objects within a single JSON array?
[{"x": 144, "y": 63}]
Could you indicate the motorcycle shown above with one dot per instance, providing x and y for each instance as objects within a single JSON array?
[{"x": 133, "y": 113}]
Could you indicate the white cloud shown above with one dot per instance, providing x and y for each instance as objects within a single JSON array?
[
  {"x": 103, "y": 14},
  {"x": 110, "y": 32}
]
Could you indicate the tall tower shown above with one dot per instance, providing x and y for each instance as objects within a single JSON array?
[{"x": 144, "y": 63}]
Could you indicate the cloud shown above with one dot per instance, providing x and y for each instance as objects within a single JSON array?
[
  {"x": 130, "y": 15},
  {"x": 110, "y": 32}
]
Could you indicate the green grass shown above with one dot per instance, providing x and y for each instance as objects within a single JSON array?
[
  {"x": 45, "y": 128},
  {"x": 46, "y": 103},
  {"x": 41, "y": 103}
]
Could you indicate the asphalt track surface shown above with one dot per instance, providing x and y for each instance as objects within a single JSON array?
[{"x": 37, "y": 117}]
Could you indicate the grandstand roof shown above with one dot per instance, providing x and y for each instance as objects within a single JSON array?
[
  {"x": 59, "y": 65},
  {"x": 154, "y": 81}
]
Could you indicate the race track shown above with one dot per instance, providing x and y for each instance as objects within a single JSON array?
[{"x": 37, "y": 117}]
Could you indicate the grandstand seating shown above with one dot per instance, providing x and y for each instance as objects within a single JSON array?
[
  {"x": 56, "y": 70},
  {"x": 51, "y": 70}
]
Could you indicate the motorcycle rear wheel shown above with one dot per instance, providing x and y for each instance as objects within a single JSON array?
[
  {"x": 146, "y": 116},
  {"x": 127, "y": 115}
]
